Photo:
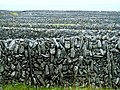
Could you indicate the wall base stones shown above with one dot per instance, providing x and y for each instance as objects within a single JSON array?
[{"x": 79, "y": 60}]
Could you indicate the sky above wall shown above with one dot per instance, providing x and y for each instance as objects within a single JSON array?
[{"x": 94, "y": 5}]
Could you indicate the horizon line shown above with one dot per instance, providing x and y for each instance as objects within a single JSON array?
[{"x": 60, "y": 10}]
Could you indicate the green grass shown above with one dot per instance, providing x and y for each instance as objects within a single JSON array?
[
  {"x": 14, "y": 13},
  {"x": 1, "y": 14},
  {"x": 20, "y": 86}
]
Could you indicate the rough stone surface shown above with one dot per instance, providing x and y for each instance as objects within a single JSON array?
[{"x": 86, "y": 59}]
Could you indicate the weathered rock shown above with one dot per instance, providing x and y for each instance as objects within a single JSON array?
[
  {"x": 72, "y": 54},
  {"x": 52, "y": 62},
  {"x": 67, "y": 44}
]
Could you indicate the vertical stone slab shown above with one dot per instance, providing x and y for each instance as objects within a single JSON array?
[{"x": 1, "y": 67}]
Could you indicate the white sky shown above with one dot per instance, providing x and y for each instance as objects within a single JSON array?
[{"x": 104, "y": 5}]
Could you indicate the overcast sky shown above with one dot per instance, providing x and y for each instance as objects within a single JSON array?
[{"x": 101, "y": 5}]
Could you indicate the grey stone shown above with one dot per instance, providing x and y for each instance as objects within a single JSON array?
[
  {"x": 38, "y": 72},
  {"x": 0, "y": 54},
  {"x": 117, "y": 80},
  {"x": 1, "y": 68},
  {"x": 114, "y": 50},
  {"x": 77, "y": 42},
  {"x": 52, "y": 51},
  {"x": 12, "y": 67},
  {"x": 99, "y": 44},
  {"x": 16, "y": 48},
  {"x": 67, "y": 44},
  {"x": 13, "y": 74},
  {"x": 46, "y": 70},
  {"x": 34, "y": 80},
  {"x": 72, "y": 54},
  {"x": 41, "y": 80},
  {"x": 39, "y": 49},
  {"x": 26, "y": 53},
  {"x": 43, "y": 49},
  {"x": 56, "y": 43},
  {"x": 51, "y": 62},
  {"x": 11, "y": 45},
  {"x": 59, "y": 53},
  {"x": 23, "y": 74},
  {"x": 21, "y": 49}
]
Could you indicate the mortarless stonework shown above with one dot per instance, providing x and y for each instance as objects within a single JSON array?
[
  {"x": 80, "y": 60},
  {"x": 1, "y": 67}
]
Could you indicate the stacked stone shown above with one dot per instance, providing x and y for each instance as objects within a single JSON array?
[
  {"x": 2, "y": 59},
  {"x": 79, "y": 60}
]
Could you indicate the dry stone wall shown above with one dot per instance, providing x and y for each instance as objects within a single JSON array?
[{"x": 79, "y": 60}]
